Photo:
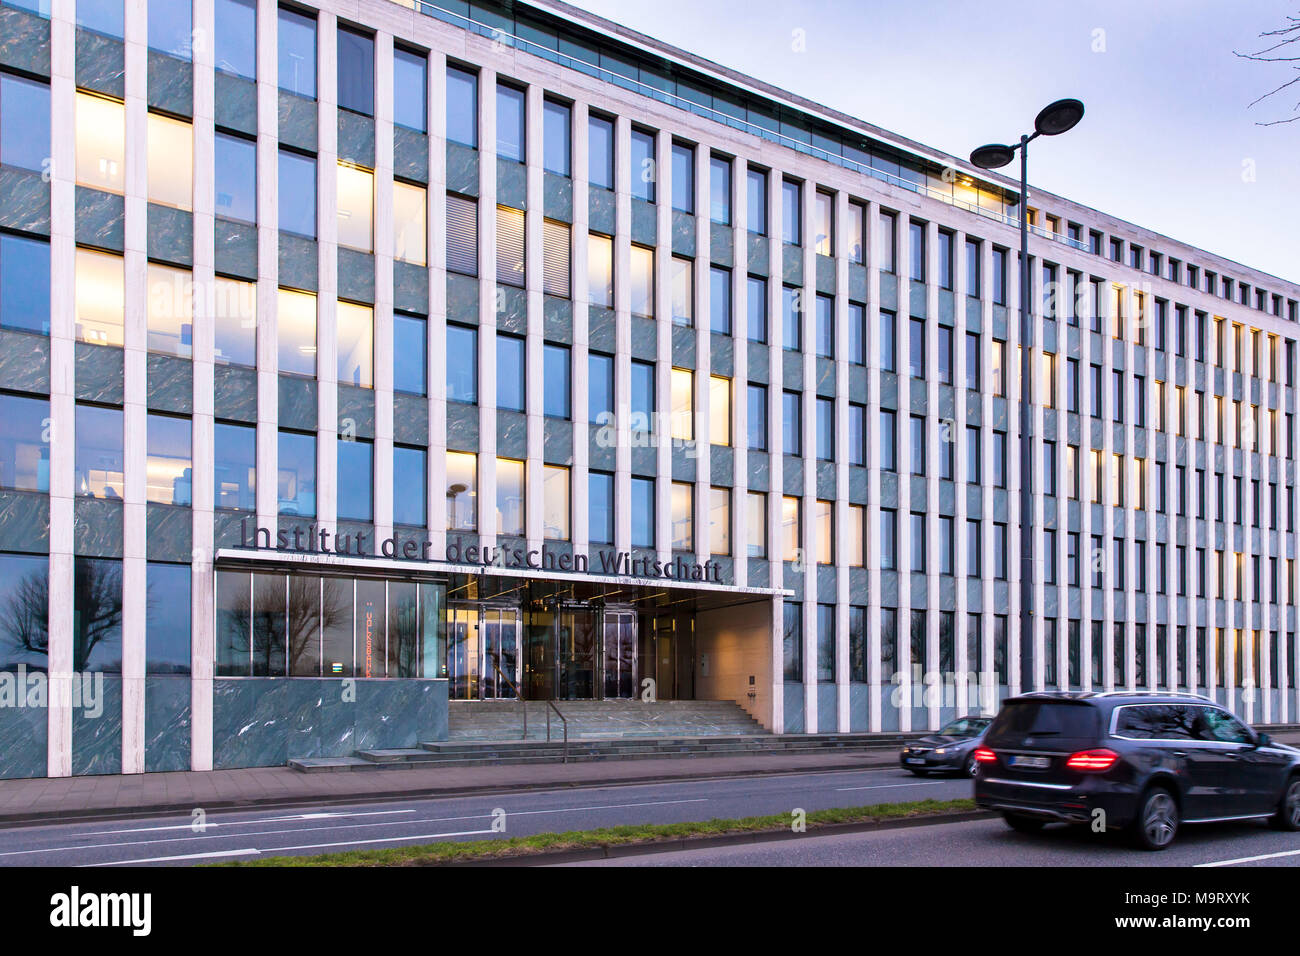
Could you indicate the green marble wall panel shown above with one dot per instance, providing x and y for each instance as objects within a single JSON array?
[
  {"x": 645, "y": 338},
  {"x": 601, "y": 455},
  {"x": 917, "y": 299},
  {"x": 512, "y": 184},
  {"x": 825, "y": 274},
  {"x": 97, "y": 528},
  {"x": 792, "y": 265},
  {"x": 947, "y": 308},
  {"x": 462, "y": 299},
  {"x": 793, "y": 704},
  {"x": 462, "y": 427},
  {"x": 24, "y": 522},
  {"x": 169, "y": 530},
  {"x": 166, "y": 722},
  {"x": 889, "y": 291},
  {"x": 722, "y": 244},
  {"x": 170, "y": 381},
  {"x": 602, "y": 334},
  {"x": 557, "y": 442},
  {"x": 683, "y": 347},
  {"x": 721, "y": 357},
  {"x": 410, "y": 419},
  {"x": 24, "y": 41},
  {"x": 792, "y": 475},
  {"x": 760, "y": 572},
  {"x": 101, "y": 63},
  {"x": 297, "y": 119},
  {"x": 24, "y": 200},
  {"x": 171, "y": 235},
  {"x": 356, "y": 276},
  {"x": 298, "y": 262},
  {"x": 558, "y": 320},
  {"x": 645, "y": 459},
  {"x": 235, "y": 248},
  {"x": 602, "y": 211},
  {"x": 264, "y": 722},
  {"x": 758, "y": 254},
  {"x": 356, "y": 411},
  {"x": 235, "y": 393},
  {"x": 974, "y": 315},
  {"x": 683, "y": 242},
  {"x": 512, "y": 309},
  {"x": 759, "y": 465},
  {"x": 857, "y": 282},
  {"x": 24, "y": 361},
  {"x": 557, "y": 197},
  {"x": 410, "y": 155},
  {"x": 24, "y": 732},
  {"x": 722, "y": 466},
  {"x": 171, "y": 84},
  {"x": 791, "y": 369},
  {"x": 410, "y": 288},
  {"x": 512, "y": 434},
  {"x": 297, "y": 402},
  {"x": 759, "y": 360},
  {"x": 462, "y": 170},
  {"x": 97, "y": 736},
  {"x": 825, "y": 370},
  {"x": 356, "y": 142},
  {"x": 350, "y": 532},
  {"x": 101, "y": 219},
  {"x": 645, "y": 222},
  {"x": 684, "y": 456},
  {"x": 227, "y": 527},
  {"x": 99, "y": 373},
  {"x": 236, "y": 103}
]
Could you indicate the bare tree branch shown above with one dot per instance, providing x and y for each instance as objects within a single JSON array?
[{"x": 1284, "y": 36}]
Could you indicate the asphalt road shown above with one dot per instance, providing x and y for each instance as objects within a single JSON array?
[
  {"x": 990, "y": 842},
  {"x": 174, "y": 840}
]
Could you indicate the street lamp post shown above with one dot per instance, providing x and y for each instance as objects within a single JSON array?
[{"x": 1054, "y": 119}]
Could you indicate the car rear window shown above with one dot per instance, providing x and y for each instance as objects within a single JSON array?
[{"x": 1049, "y": 722}]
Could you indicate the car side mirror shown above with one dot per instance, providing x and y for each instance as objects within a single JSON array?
[{"x": 1263, "y": 740}]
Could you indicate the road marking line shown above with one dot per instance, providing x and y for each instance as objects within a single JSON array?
[
  {"x": 243, "y": 823},
  {"x": 894, "y": 786},
  {"x": 247, "y": 851},
  {"x": 1251, "y": 859}
]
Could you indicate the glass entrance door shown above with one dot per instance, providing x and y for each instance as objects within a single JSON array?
[
  {"x": 576, "y": 653},
  {"x": 462, "y": 653},
  {"x": 479, "y": 641},
  {"x": 620, "y": 655},
  {"x": 499, "y": 634}
]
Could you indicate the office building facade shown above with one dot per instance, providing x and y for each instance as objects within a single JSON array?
[{"x": 361, "y": 361}]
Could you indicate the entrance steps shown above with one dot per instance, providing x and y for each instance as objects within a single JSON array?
[{"x": 504, "y": 720}]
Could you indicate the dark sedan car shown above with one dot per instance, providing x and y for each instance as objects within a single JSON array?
[
  {"x": 951, "y": 750},
  {"x": 1145, "y": 763}
]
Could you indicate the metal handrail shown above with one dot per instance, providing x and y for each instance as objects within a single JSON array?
[
  {"x": 496, "y": 666},
  {"x": 564, "y": 720},
  {"x": 549, "y": 703}
]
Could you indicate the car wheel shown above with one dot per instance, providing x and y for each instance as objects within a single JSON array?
[
  {"x": 972, "y": 766},
  {"x": 1157, "y": 820},
  {"x": 1023, "y": 824},
  {"x": 919, "y": 773},
  {"x": 1288, "y": 811}
]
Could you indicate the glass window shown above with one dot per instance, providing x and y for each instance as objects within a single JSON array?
[
  {"x": 409, "y": 486},
  {"x": 510, "y": 123},
  {"x": 857, "y": 233},
  {"x": 24, "y": 284},
  {"x": 297, "y": 479},
  {"x": 555, "y": 502},
  {"x": 720, "y": 300},
  {"x": 826, "y": 429},
  {"x": 462, "y": 107},
  {"x": 683, "y": 178},
  {"x": 297, "y": 70},
  {"x": 236, "y": 178},
  {"x": 945, "y": 259},
  {"x": 643, "y": 395},
  {"x": 824, "y": 527},
  {"x": 720, "y": 521},
  {"x": 410, "y": 231},
  {"x": 101, "y": 132},
  {"x": 296, "y": 329},
  {"x": 170, "y": 310},
  {"x": 409, "y": 354},
  {"x": 97, "y": 615},
  {"x": 719, "y": 410},
  {"x": 235, "y": 42},
  {"x": 99, "y": 452},
  {"x": 945, "y": 355},
  {"x": 792, "y": 642},
  {"x": 356, "y": 480},
  {"x": 643, "y": 293},
  {"x": 168, "y": 468},
  {"x": 888, "y": 341},
  {"x": 643, "y": 165},
  {"x": 510, "y": 246},
  {"x": 600, "y": 270},
  {"x": 857, "y": 434},
  {"x": 462, "y": 364},
  {"x": 297, "y": 194},
  {"x": 462, "y": 235},
  {"x": 101, "y": 16},
  {"x": 757, "y": 521},
  {"x": 556, "y": 138},
  {"x": 720, "y": 189},
  {"x": 792, "y": 213},
  {"x": 683, "y": 404},
  {"x": 555, "y": 380},
  {"x": 510, "y": 496},
  {"x": 792, "y": 318},
  {"x": 791, "y": 432},
  {"x": 100, "y": 297},
  {"x": 600, "y": 387},
  {"x": 171, "y": 162},
  {"x": 643, "y": 512},
  {"x": 791, "y": 533},
  {"x": 356, "y": 207},
  {"x": 356, "y": 342},
  {"x": 857, "y": 536},
  {"x": 600, "y": 507},
  {"x": 757, "y": 395},
  {"x": 356, "y": 71},
  {"x": 600, "y": 152},
  {"x": 824, "y": 224},
  {"x": 410, "y": 89},
  {"x": 825, "y": 326},
  {"x": 886, "y": 240},
  {"x": 683, "y": 279},
  {"x": 888, "y": 441},
  {"x": 857, "y": 333},
  {"x": 24, "y": 443},
  {"x": 235, "y": 454},
  {"x": 756, "y": 306},
  {"x": 167, "y": 621},
  {"x": 24, "y": 123},
  {"x": 170, "y": 28},
  {"x": 510, "y": 370},
  {"x": 462, "y": 491},
  {"x": 555, "y": 259},
  {"x": 683, "y": 516},
  {"x": 757, "y": 191},
  {"x": 888, "y": 539},
  {"x": 916, "y": 348}
]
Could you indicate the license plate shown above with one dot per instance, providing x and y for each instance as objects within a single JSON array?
[
  {"x": 915, "y": 760},
  {"x": 1033, "y": 763}
]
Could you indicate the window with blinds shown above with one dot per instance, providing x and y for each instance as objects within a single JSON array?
[
  {"x": 462, "y": 235},
  {"x": 555, "y": 259},
  {"x": 510, "y": 246}
]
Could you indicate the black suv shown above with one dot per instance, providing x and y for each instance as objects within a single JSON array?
[{"x": 1148, "y": 761}]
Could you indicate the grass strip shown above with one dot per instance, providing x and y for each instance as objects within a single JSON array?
[{"x": 626, "y": 835}]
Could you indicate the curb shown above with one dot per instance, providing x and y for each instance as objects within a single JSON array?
[
  {"x": 594, "y": 854},
  {"x": 48, "y": 818}
]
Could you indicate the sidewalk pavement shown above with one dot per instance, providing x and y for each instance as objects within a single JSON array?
[{"x": 48, "y": 800}]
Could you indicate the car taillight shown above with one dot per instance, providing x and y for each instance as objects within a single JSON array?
[
  {"x": 1092, "y": 760},
  {"x": 984, "y": 755}
]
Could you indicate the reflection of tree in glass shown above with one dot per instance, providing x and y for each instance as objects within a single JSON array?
[
  {"x": 23, "y": 620},
  {"x": 308, "y": 616},
  {"x": 98, "y": 603}
]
